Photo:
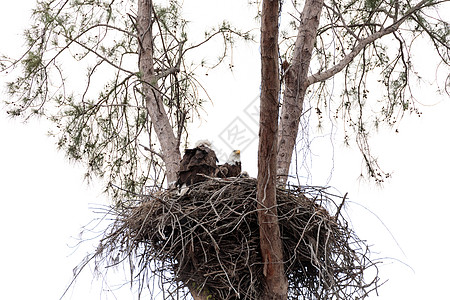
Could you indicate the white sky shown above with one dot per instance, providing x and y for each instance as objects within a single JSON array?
[{"x": 45, "y": 201}]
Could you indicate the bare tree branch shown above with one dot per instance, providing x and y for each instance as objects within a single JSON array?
[{"x": 322, "y": 76}]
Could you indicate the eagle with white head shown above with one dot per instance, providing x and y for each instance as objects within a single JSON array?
[{"x": 232, "y": 168}]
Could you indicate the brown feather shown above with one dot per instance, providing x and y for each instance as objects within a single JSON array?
[
  {"x": 229, "y": 170},
  {"x": 196, "y": 162}
]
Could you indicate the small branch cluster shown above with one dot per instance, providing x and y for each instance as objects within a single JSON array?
[{"x": 208, "y": 239}]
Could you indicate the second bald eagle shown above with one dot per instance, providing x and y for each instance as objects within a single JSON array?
[{"x": 232, "y": 168}]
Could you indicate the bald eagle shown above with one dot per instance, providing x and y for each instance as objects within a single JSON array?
[
  {"x": 196, "y": 162},
  {"x": 202, "y": 160},
  {"x": 232, "y": 168}
]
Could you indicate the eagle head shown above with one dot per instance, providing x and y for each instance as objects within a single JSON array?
[{"x": 235, "y": 157}]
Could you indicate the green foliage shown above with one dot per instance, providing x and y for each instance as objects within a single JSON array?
[
  {"x": 100, "y": 115},
  {"x": 32, "y": 62}
]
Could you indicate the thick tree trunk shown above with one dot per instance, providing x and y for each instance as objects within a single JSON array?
[
  {"x": 270, "y": 239},
  {"x": 170, "y": 150},
  {"x": 296, "y": 83}
]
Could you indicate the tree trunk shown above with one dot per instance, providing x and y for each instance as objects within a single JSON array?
[
  {"x": 270, "y": 239},
  {"x": 170, "y": 150},
  {"x": 296, "y": 83}
]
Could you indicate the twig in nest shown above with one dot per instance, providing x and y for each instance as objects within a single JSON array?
[{"x": 338, "y": 211}]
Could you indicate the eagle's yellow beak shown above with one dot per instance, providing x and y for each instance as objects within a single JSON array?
[{"x": 237, "y": 151}]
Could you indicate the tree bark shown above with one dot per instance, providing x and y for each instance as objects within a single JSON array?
[
  {"x": 296, "y": 84},
  {"x": 155, "y": 107},
  {"x": 270, "y": 239}
]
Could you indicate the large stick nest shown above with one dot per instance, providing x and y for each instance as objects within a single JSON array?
[{"x": 208, "y": 239}]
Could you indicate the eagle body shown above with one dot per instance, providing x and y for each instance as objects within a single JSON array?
[
  {"x": 196, "y": 163},
  {"x": 227, "y": 170}
]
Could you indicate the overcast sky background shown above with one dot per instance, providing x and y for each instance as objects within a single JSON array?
[{"x": 45, "y": 201}]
